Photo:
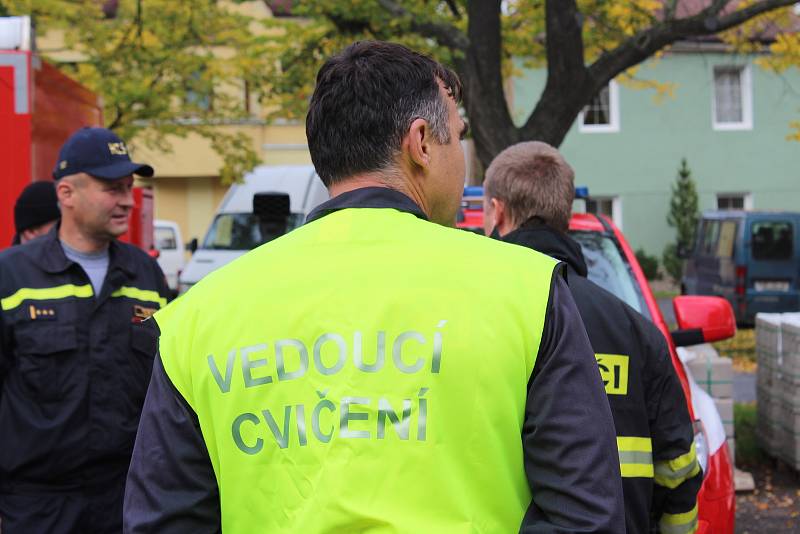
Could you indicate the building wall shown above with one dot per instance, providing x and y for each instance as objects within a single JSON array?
[
  {"x": 188, "y": 200},
  {"x": 640, "y": 161}
]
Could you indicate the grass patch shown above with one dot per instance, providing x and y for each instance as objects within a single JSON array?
[
  {"x": 666, "y": 294},
  {"x": 744, "y": 420},
  {"x": 741, "y": 348}
]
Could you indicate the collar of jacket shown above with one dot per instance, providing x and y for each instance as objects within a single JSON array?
[
  {"x": 542, "y": 238},
  {"x": 367, "y": 197},
  {"x": 46, "y": 251}
]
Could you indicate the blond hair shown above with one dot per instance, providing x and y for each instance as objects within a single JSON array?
[{"x": 533, "y": 180}]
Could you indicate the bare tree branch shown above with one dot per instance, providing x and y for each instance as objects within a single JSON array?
[
  {"x": 444, "y": 34},
  {"x": 646, "y": 43},
  {"x": 453, "y": 9},
  {"x": 669, "y": 12},
  {"x": 727, "y": 22}
]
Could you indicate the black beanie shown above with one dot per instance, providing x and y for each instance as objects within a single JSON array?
[{"x": 36, "y": 205}]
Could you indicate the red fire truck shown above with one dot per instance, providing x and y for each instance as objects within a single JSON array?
[{"x": 39, "y": 108}]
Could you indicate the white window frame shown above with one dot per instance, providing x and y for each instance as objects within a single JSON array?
[
  {"x": 746, "y": 81},
  {"x": 616, "y": 207},
  {"x": 747, "y": 197},
  {"x": 613, "y": 104}
]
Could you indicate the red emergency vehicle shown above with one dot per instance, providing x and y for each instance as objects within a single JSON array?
[{"x": 40, "y": 107}]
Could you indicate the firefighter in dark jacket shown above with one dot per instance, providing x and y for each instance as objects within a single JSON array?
[
  {"x": 529, "y": 190},
  {"x": 75, "y": 361}
]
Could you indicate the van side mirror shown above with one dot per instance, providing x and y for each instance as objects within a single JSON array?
[
  {"x": 702, "y": 320},
  {"x": 191, "y": 246},
  {"x": 272, "y": 211}
]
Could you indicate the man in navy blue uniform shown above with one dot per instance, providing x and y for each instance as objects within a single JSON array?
[
  {"x": 528, "y": 201},
  {"x": 74, "y": 360}
]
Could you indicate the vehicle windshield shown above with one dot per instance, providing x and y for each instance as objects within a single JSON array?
[
  {"x": 609, "y": 269},
  {"x": 243, "y": 231},
  {"x": 772, "y": 240},
  {"x": 164, "y": 238}
]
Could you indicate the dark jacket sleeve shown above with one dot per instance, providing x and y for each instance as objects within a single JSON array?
[
  {"x": 678, "y": 476},
  {"x": 5, "y": 353},
  {"x": 569, "y": 440},
  {"x": 171, "y": 486}
]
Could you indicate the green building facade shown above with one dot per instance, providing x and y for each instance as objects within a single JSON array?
[{"x": 728, "y": 117}]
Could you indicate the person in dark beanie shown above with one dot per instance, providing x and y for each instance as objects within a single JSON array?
[
  {"x": 35, "y": 212},
  {"x": 75, "y": 351}
]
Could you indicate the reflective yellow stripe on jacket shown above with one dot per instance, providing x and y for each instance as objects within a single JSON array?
[
  {"x": 635, "y": 456},
  {"x": 146, "y": 295},
  {"x": 673, "y": 473},
  {"x": 71, "y": 290},
  {"x": 685, "y": 523},
  {"x": 46, "y": 293}
]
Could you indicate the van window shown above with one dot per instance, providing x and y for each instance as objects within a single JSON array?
[
  {"x": 772, "y": 240},
  {"x": 242, "y": 231},
  {"x": 165, "y": 238},
  {"x": 727, "y": 239},
  {"x": 708, "y": 245}
]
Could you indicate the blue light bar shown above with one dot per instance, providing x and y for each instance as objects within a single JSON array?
[
  {"x": 582, "y": 192},
  {"x": 473, "y": 191}
]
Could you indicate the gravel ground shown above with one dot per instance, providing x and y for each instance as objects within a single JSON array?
[{"x": 774, "y": 507}]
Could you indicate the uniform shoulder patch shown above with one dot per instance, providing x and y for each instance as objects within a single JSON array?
[{"x": 614, "y": 372}]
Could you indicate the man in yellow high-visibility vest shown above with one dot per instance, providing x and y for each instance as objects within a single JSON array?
[{"x": 373, "y": 371}]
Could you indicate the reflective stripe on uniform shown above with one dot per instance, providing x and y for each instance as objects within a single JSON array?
[
  {"x": 685, "y": 523},
  {"x": 46, "y": 293},
  {"x": 146, "y": 295},
  {"x": 635, "y": 456},
  {"x": 673, "y": 473}
]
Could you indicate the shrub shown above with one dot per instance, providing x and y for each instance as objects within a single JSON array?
[
  {"x": 683, "y": 215},
  {"x": 648, "y": 263},
  {"x": 671, "y": 262}
]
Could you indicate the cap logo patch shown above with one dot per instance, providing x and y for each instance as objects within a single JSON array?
[
  {"x": 62, "y": 165},
  {"x": 117, "y": 149}
]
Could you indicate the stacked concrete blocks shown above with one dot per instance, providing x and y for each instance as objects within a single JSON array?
[
  {"x": 714, "y": 374},
  {"x": 778, "y": 350},
  {"x": 768, "y": 350}
]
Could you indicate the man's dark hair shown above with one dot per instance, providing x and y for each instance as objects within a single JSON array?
[{"x": 364, "y": 102}]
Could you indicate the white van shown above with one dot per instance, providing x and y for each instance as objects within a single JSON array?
[
  {"x": 236, "y": 229},
  {"x": 168, "y": 242}
]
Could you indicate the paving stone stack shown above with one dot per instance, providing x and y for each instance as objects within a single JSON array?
[
  {"x": 768, "y": 353},
  {"x": 714, "y": 373},
  {"x": 778, "y": 386},
  {"x": 789, "y": 391}
]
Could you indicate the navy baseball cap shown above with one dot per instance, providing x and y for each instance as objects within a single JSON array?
[{"x": 100, "y": 153}]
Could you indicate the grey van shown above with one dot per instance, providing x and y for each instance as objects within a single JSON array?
[{"x": 751, "y": 258}]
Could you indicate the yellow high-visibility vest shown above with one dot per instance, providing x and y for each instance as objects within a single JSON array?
[{"x": 367, "y": 372}]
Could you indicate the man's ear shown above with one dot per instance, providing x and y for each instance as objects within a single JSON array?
[
  {"x": 65, "y": 191},
  {"x": 417, "y": 143},
  {"x": 499, "y": 214}
]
